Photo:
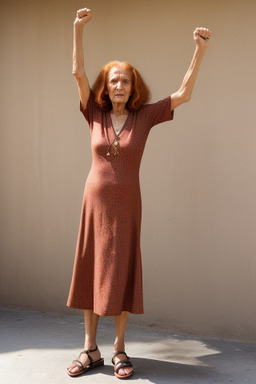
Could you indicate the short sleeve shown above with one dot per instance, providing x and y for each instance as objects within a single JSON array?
[
  {"x": 159, "y": 112},
  {"x": 91, "y": 110}
]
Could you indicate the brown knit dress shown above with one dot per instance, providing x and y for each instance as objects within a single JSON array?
[{"x": 107, "y": 275}]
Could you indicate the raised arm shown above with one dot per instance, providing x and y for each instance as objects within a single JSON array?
[
  {"x": 82, "y": 17},
  {"x": 183, "y": 95}
]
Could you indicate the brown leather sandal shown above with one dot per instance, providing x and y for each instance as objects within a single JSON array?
[
  {"x": 88, "y": 367},
  {"x": 121, "y": 365}
]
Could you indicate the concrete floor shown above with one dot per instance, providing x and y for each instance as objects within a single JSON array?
[{"x": 37, "y": 347}]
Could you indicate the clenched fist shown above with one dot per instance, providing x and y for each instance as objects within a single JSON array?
[
  {"x": 83, "y": 16},
  {"x": 201, "y": 37}
]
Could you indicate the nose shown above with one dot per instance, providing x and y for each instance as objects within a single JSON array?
[{"x": 119, "y": 85}]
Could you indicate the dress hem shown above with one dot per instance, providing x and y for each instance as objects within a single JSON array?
[{"x": 133, "y": 312}]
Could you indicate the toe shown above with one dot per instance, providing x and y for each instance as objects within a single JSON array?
[
  {"x": 73, "y": 369},
  {"x": 125, "y": 371},
  {"x": 129, "y": 370}
]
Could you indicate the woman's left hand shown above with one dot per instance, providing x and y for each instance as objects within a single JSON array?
[{"x": 201, "y": 37}]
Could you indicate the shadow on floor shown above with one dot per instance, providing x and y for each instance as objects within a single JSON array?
[
  {"x": 158, "y": 372},
  {"x": 41, "y": 345}
]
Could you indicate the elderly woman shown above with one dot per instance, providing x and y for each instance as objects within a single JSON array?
[{"x": 107, "y": 276}]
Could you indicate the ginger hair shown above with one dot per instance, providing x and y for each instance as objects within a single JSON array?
[{"x": 140, "y": 91}]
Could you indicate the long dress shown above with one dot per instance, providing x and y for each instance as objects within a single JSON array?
[{"x": 107, "y": 274}]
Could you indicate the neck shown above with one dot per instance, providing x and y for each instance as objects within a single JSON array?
[{"x": 119, "y": 109}]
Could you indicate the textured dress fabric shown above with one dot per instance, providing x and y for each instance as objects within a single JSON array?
[{"x": 107, "y": 274}]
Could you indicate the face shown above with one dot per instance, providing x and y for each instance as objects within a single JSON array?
[{"x": 119, "y": 85}]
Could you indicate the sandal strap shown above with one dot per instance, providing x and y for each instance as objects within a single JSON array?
[
  {"x": 123, "y": 364},
  {"x": 119, "y": 353},
  {"x": 77, "y": 362},
  {"x": 92, "y": 350},
  {"x": 89, "y": 351}
]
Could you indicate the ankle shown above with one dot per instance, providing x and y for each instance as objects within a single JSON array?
[
  {"x": 118, "y": 347},
  {"x": 90, "y": 346}
]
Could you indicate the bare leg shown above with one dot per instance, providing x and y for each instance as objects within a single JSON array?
[
  {"x": 91, "y": 321},
  {"x": 91, "y": 325},
  {"x": 121, "y": 324}
]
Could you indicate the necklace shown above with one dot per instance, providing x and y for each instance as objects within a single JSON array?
[{"x": 114, "y": 147}]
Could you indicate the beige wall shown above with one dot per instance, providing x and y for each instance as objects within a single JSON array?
[{"x": 198, "y": 172}]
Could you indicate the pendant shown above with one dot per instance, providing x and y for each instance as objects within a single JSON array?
[{"x": 114, "y": 147}]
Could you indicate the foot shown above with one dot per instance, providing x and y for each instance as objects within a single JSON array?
[
  {"x": 74, "y": 369},
  {"x": 126, "y": 371}
]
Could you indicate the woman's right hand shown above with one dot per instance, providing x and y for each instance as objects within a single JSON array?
[{"x": 83, "y": 16}]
